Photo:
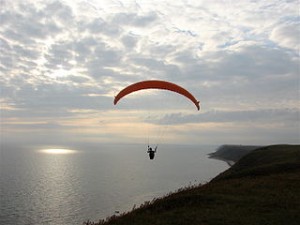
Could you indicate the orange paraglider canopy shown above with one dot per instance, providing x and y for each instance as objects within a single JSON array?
[{"x": 156, "y": 84}]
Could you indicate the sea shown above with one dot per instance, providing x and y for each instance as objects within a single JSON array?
[{"x": 69, "y": 185}]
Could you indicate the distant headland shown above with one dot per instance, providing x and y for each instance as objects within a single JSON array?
[{"x": 232, "y": 153}]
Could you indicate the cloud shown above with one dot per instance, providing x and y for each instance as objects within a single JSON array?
[
  {"x": 58, "y": 58},
  {"x": 34, "y": 126},
  {"x": 263, "y": 116},
  {"x": 129, "y": 41},
  {"x": 102, "y": 27},
  {"x": 135, "y": 20},
  {"x": 53, "y": 97},
  {"x": 287, "y": 35}
]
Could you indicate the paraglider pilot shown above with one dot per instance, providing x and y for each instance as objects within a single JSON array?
[{"x": 151, "y": 152}]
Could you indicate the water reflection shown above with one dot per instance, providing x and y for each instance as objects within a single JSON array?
[
  {"x": 59, "y": 187},
  {"x": 58, "y": 151}
]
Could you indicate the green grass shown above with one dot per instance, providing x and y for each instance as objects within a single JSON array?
[{"x": 262, "y": 188}]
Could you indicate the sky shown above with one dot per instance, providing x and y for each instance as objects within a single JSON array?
[{"x": 62, "y": 63}]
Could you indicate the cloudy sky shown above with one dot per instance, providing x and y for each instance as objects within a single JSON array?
[{"x": 62, "y": 63}]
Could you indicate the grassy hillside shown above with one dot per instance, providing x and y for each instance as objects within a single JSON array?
[{"x": 262, "y": 188}]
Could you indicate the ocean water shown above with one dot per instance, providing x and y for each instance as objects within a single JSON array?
[{"x": 47, "y": 185}]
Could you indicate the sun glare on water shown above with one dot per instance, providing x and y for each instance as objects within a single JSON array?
[{"x": 57, "y": 151}]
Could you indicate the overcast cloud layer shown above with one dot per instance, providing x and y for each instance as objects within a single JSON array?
[{"x": 62, "y": 63}]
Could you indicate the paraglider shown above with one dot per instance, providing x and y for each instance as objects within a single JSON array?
[
  {"x": 151, "y": 152},
  {"x": 156, "y": 84}
]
